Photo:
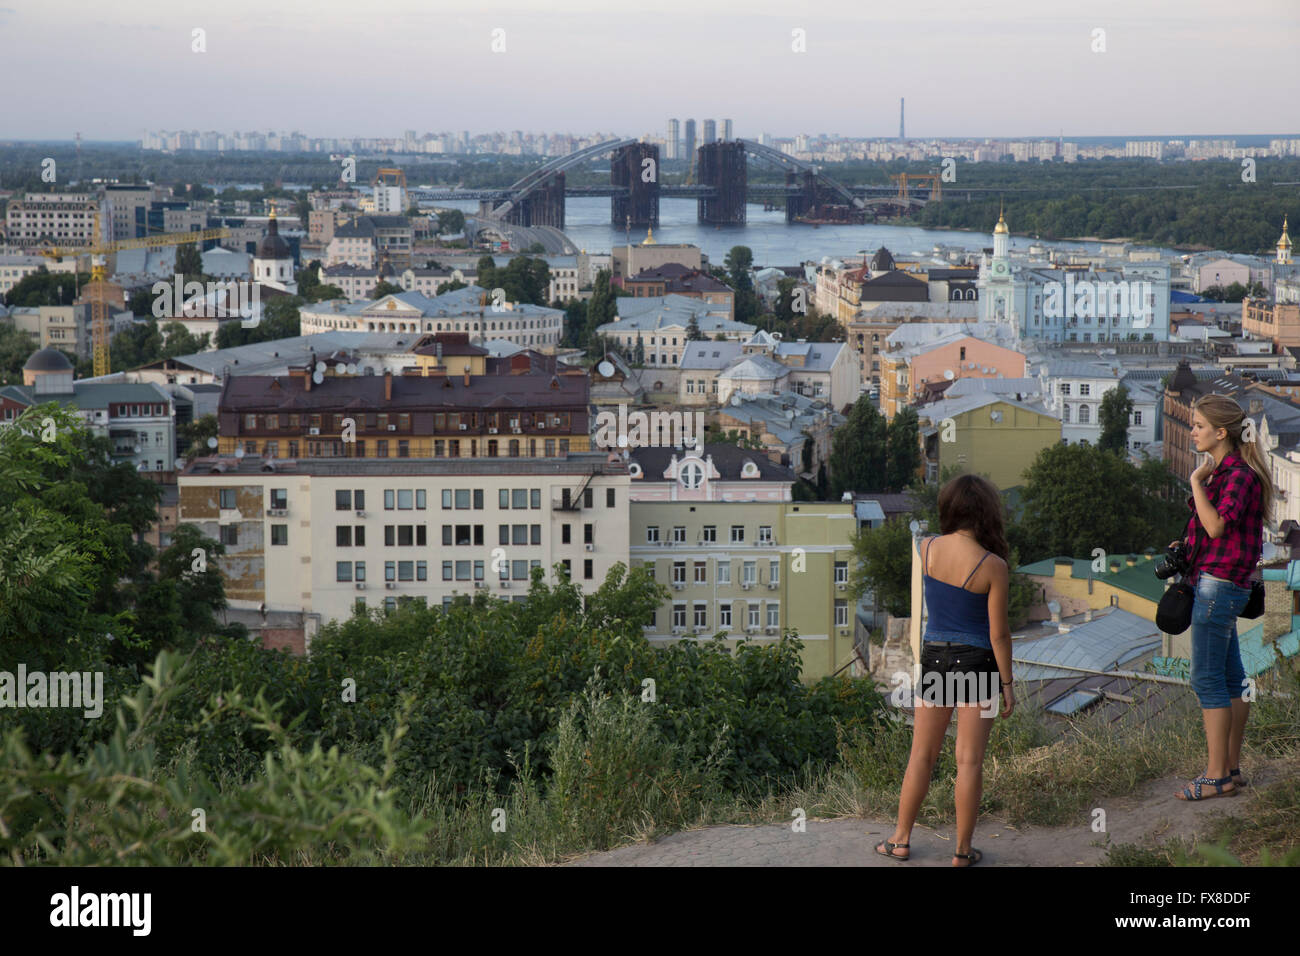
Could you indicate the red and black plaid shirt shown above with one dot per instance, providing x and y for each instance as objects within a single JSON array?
[{"x": 1237, "y": 495}]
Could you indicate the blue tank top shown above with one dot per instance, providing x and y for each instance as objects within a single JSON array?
[{"x": 956, "y": 615}]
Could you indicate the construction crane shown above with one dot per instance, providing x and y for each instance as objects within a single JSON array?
[{"x": 99, "y": 253}]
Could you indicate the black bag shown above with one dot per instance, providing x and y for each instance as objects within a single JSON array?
[
  {"x": 1255, "y": 605},
  {"x": 1174, "y": 612}
]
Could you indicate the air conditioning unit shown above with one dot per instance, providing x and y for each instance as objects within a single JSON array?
[
  {"x": 541, "y": 425},
  {"x": 480, "y": 584},
  {"x": 747, "y": 585},
  {"x": 678, "y": 585},
  {"x": 463, "y": 426},
  {"x": 517, "y": 431},
  {"x": 313, "y": 431},
  {"x": 591, "y": 547},
  {"x": 361, "y": 585},
  {"x": 505, "y": 584},
  {"x": 361, "y": 514},
  {"x": 769, "y": 630},
  {"x": 679, "y": 630},
  {"x": 844, "y": 631},
  {"x": 390, "y": 585},
  {"x": 492, "y": 431},
  {"x": 773, "y": 585},
  {"x": 393, "y": 428},
  {"x": 751, "y": 630},
  {"x": 276, "y": 512}
]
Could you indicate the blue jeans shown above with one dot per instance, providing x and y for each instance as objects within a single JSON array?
[{"x": 1218, "y": 676}]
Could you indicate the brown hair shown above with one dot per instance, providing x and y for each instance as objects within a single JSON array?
[
  {"x": 974, "y": 503},
  {"x": 1220, "y": 411}
]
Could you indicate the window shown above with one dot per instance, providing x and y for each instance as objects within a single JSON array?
[
  {"x": 228, "y": 499},
  {"x": 390, "y": 570},
  {"x": 279, "y": 534},
  {"x": 478, "y": 570},
  {"x": 709, "y": 534},
  {"x": 446, "y": 570},
  {"x": 535, "y": 534},
  {"x": 841, "y": 613},
  {"x": 279, "y": 498},
  {"x": 519, "y": 534},
  {"x": 588, "y": 496},
  {"x": 724, "y": 572},
  {"x": 679, "y": 572},
  {"x": 446, "y": 497},
  {"x": 389, "y": 499},
  {"x": 841, "y": 572},
  {"x": 774, "y": 571},
  {"x": 724, "y": 615},
  {"x": 587, "y": 568},
  {"x": 462, "y": 570},
  {"x": 535, "y": 498},
  {"x": 403, "y": 449},
  {"x": 652, "y": 534},
  {"x": 679, "y": 534},
  {"x": 519, "y": 570},
  {"x": 679, "y": 615},
  {"x": 588, "y": 534},
  {"x": 405, "y": 499},
  {"x": 406, "y": 570},
  {"x": 749, "y": 572},
  {"x": 565, "y": 533},
  {"x": 462, "y": 499},
  {"x": 342, "y": 570},
  {"x": 752, "y": 615},
  {"x": 343, "y": 536},
  {"x": 503, "y": 498},
  {"x": 701, "y": 572},
  {"x": 737, "y": 534},
  {"x": 478, "y": 499},
  {"x": 568, "y": 568},
  {"x": 519, "y": 498},
  {"x": 765, "y": 534},
  {"x": 609, "y": 497},
  {"x": 773, "y": 615},
  {"x": 229, "y": 534},
  {"x": 405, "y": 537},
  {"x": 1085, "y": 388},
  {"x": 701, "y": 614},
  {"x": 359, "y": 499}
]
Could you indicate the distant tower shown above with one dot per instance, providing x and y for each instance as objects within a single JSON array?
[
  {"x": 1001, "y": 236},
  {"x": 273, "y": 259},
  {"x": 674, "y": 139},
  {"x": 1284, "y": 247},
  {"x": 901, "y": 135},
  {"x": 689, "y": 145},
  {"x": 710, "y": 131},
  {"x": 726, "y": 130}
]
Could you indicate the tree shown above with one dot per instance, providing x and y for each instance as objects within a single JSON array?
[
  {"x": 189, "y": 261},
  {"x": 903, "y": 453},
  {"x": 190, "y": 565},
  {"x": 1116, "y": 410},
  {"x": 136, "y": 345},
  {"x": 451, "y": 221},
  {"x": 181, "y": 341},
  {"x": 383, "y": 287},
  {"x": 16, "y": 347},
  {"x": 693, "y": 333},
  {"x": 196, "y": 434},
  {"x": 882, "y": 566},
  {"x": 859, "y": 450},
  {"x": 46, "y": 288}
]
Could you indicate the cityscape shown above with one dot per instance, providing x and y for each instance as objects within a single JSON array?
[{"x": 468, "y": 495}]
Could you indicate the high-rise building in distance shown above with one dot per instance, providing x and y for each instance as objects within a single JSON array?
[
  {"x": 726, "y": 130},
  {"x": 688, "y": 147},
  {"x": 674, "y": 139},
  {"x": 710, "y": 131}
]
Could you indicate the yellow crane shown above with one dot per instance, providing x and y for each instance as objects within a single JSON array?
[{"x": 99, "y": 253}]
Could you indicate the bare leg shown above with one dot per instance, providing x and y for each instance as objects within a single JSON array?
[
  {"x": 1240, "y": 714},
  {"x": 928, "y": 729},
  {"x": 1218, "y": 729},
  {"x": 973, "y": 731}
]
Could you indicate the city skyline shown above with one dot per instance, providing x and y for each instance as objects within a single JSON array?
[{"x": 1032, "y": 74}]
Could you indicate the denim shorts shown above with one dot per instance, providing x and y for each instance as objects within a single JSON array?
[
  {"x": 1217, "y": 675},
  {"x": 954, "y": 674}
]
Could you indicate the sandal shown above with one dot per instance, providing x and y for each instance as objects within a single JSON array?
[
  {"x": 974, "y": 856},
  {"x": 1218, "y": 785},
  {"x": 891, "y": 847},
  {"x": 1238, "y": 780}
]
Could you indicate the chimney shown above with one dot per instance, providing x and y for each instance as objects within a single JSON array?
[
  {"x": 467, "y": 376},
  {"x": 1256, "y": 406},
  {"x": 388, "y": 385},
  {"x": 1087, "y": 615},
  {"x": 1056, "y": 617},
  {"x": 306, "y": 379}
]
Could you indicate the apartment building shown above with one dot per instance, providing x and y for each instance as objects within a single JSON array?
[
  {"x": 15, "y": 268},
  {"x": 455, "y": 402},
  {"x": 358, "y": 283},
  {"x": 57, "y": 219},
  {"x": 870, "y": 328},
  {"x": 906, "y": 370},
  {"x": 989, "y": 434},
  {"x": 632, "y": 258},
  {"x": 741, "y": 559},
  {"x": 365, "y": 239},
  {"x": 315, "y": 540},
  {"x": 655, "y": 329},
  {"x": 676, "y": 279}
]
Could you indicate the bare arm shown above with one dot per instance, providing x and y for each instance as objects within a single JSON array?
[
  {"x": 1211, "y": 520},
  {"x": 999, "y": 625}
]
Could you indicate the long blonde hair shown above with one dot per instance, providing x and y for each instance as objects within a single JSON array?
[{"x": 1220, "y": 411}]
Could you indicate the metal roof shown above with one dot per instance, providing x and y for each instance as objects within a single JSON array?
[{"x": 1105, "y": 643}]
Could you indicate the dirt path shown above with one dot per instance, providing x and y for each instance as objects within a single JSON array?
[{"x": 1154, "y": 814}]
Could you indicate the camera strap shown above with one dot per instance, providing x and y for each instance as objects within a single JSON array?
[{"x": 1191, "y": 554}]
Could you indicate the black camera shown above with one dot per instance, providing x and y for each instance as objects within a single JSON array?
[{"x": 1174, "y": 561}]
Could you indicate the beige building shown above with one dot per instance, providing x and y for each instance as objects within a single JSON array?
[
  {"x": 631, "y": 259},
  {"x": 749, "y": 568},
  {"x": 318, "y": 538},
  {"x": 986, "y": 434},
  {"x": 57, "y": 219}
]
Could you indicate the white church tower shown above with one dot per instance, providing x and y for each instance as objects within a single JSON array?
[{"x": 273, "y": 260}]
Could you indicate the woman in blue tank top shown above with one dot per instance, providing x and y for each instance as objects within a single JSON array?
[{"x": 965, "y": 656}]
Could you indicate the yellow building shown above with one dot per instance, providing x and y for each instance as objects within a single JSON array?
[{"x": 986, "y": 434}]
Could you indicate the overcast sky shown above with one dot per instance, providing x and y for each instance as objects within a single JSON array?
[{"x": 1000, "y": 68}]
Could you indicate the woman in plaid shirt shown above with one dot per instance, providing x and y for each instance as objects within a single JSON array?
[{"x": 1231, "y": 491}]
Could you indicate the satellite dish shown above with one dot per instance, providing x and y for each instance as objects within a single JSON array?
[
  {"x": 735, "y": 401},
  {"x": 789, "y": 414},
  {"x": 947, "y": 373},
  {"x": 320, "y": 366},
  {"x": 180, "y": 463},
  {"x": 606, "y": 369},
  {"x": 212, "y": 443},
  {"x": 317, "y": 377},
  {"x": 914, "y": 526},
  {"x": 239, "y": 453},
  {"x": 352, "y": 368},
  {"x": 1054, "y": 607}
]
